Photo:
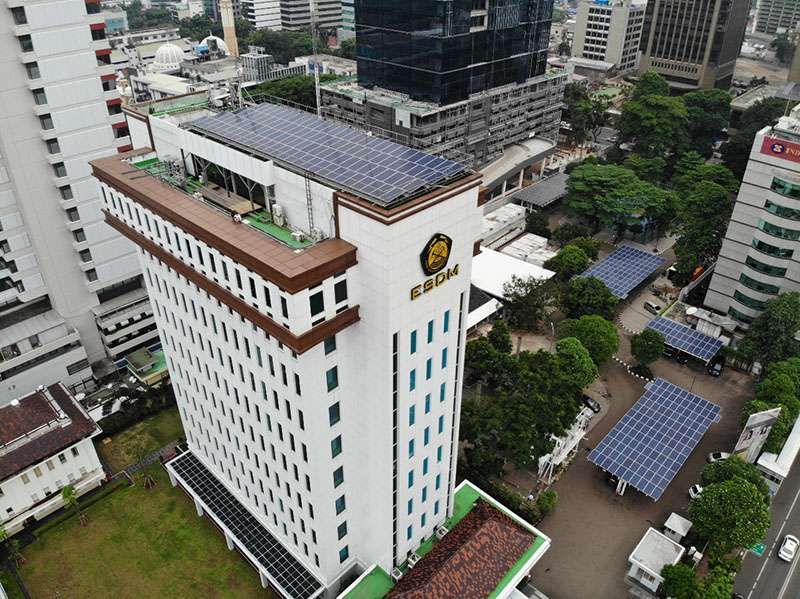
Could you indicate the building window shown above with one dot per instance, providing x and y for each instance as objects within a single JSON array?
[
  {"x": 338, "y": 476},
  {"x": 46, "y": 122},
  {"x": 18, "y": 13},
  {"x": 59, "y": 169},
  {"x": 53, "y": 147},
  {"x": 317, "y": 303},
  {"x": 409, "y": 533},
  {"x": 413, "y": 344},
  {"x": 442, "y": 388},
  {"x": 424, "y": 466},
  {"x": 25, "y": 478},
  {"x": 91, "y": 274},
  {"x": 767, "y": 269},
  {"x": 424, "y": 493},
  {"x": 782, "y": 211},
  {"x": 426, "y": 436},
  {"x": 411, "y": 448},
  {"x": 336, "y": 446},
  {"x": 772, "y": 250},
  {"x": 39, "y": 97},
  {"x": 446, "y": 324},
  {"x": 439, "y": 453},
  {"x": 62, "y": 458},
  {"x": 412, "y": 380},
  {"x": 344, "y": 553},
  {"x": 341, "y": 530},
  {"x": 74, "y": 452},
  {"x": 33, "y": 70},
  {"x": 330, "y": 344},
  {"x": 410, "y": 507},
  {"x": 438, "y": 482},
  {"x": 410, "y": 478},
  {"x": 428, "y": 403},
  {"x": 332, "y": 378},
  {"x": 428, "y": 369},
  {"x": 740, "y": 315},
  {"x": 284, "y": 308},
  {"x": 66, "y": 192},
  {"x": 430, "y": 331},
  {"x": 411, "y": 415},
  {"x": 72, "y": 215},
  {"x": 340, "y": 505},
  {"x": 758, "y": 285},
  {"x": 441, "y": 423},
  {"x": 79, "y": 235},
  {"x": 748, "y": 301},
  {"x": 785, "y": 188},
  {"x": 333, "y": 414},
  {"x": 85, "y": 255},
  {"x": 780, "y": 232},
  {"x": 340, "y": 291},
  {"x": 422, "y": 520},
  {"x": 436, "y": 507}
]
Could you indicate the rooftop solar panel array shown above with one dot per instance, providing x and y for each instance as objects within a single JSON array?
[
  {"x": 649, "y": 445},
  {"x": 375, "y": 169},
  {"x": 686, "y": 339},
  {"x": 625, "y": 268},
  {"x": 250, "y": 533}
]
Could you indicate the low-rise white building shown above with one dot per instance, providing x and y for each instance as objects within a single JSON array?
[
  {"x": 45, "y": 445},
  {"x": 776, "y": 466},
  {"x": 653, "y": 552}
]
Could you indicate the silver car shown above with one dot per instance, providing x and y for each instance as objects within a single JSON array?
[{"x": 788, "y": 548}]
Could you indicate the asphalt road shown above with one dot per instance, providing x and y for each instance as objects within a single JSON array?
[{"x": 769, "y": 577}]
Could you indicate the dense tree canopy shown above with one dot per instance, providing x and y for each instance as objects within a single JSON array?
[
  {"x": 707, "y": 112},
  {"x": 587, "y": 295},
  {"x": 647, "y": 169},
  {"x": 654, "y": 124},
  {"x": 731, "y": 468},
  {"x": 736, "y": 152},
  {"x": 526, "y": 300},
  {"x": 730, "y": 514},
  {"x": 784, "y": 47},
  {"x": 569, "y": 231},
  {"x": 771, "y": 336},
  {"x": 598, "y": 335},
  {"x": 299, "y": 89},
  {"x": 680, "y": 581},
  {"x": 647, "y": 346},
  {"x": 283, "y": 45},
  {"x": 570, "y": 260},
  {"x": 500, "y": 337},
  {"x": 650, "y": 84},
  {"x": 536, "y": 223},
  {"x": 584, "y": 114}
]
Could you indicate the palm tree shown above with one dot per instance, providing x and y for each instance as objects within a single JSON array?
[{"x": 70, "y": 499}]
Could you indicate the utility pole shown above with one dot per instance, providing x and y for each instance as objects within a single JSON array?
[{"x": 314, "y": 34}]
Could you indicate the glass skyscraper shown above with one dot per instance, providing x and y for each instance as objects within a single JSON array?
[{"x": 443, "y": 51}]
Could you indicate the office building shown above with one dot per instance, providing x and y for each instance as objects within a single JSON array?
[
  {"x": 466, "y": 90},
  {"x": 45, "y": 445},
  {"x": 59, "y": 262},
  {"x": 693, "y": 44},
  {"x": 296, "y": 14},
  {"x": 311, "y": 288},
  {"x": 348, "y": 29},
  {"x": 760, "y": 256},
  {"x": 262, "y": 13},
  {"x": 776, "y": 16},
  {"x": 609, "y": 31}
]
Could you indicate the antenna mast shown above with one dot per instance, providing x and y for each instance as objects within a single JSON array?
[{"x": 314, "y": 34}]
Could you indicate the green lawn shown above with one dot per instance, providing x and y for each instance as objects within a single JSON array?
[
  {"x": 130, "y": 445},
  {"x": 138, "y": 543},
  {"x": 10, "y": 585}
]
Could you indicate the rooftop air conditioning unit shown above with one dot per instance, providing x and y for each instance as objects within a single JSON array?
[
  {"x": 396, "y": 574},
  {"x": 298, "y": 235},
  {"x": 316, "y": 234},
  {"x": 413, "y": 559},
  {"x": 277, "y": 215},
  {"x": 441, "y": 531}
]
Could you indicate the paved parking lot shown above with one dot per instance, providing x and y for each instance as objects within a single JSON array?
[{"x": 593, "y": 529}]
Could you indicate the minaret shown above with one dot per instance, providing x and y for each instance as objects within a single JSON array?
[{"x": 228, "y": 28}]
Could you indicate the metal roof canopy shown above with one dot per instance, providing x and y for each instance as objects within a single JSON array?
[
  {"x": 651, "y": 442},
  {"x": 375, "y": 169},
  {"x": 624, "y": 269},
  {"x": 686, "y": 339}
]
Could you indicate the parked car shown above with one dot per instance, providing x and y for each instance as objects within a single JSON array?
[
  {"x": 717, "y": 456},
  {"x": 591, "y": 403},
  {"x": 716, "y": 365},
  {"x": 788, "y": 548},
  {"x": 669, "y": 352},
  {"x": 683, "y": 358},
  {"x": 652, "y": 307},
  {"x": 694, "y": 491}
]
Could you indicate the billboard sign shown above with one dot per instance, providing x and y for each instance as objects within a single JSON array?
[{"x": 755, "y": 433}]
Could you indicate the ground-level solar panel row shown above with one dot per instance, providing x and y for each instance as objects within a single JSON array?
[
  {"x": 624, "y": 269},
  {"x": 268, "y": 551},
  {"x": 685, "y": 338}
]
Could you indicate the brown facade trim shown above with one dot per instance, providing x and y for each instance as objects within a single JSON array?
[
  {"x": 476, "y": 248},
  {"x": 299, "y": 343},
  {"x": 391, "y": 216},
  {"x": 483, "y": 196},
  {"x": 290, "y": 270}
]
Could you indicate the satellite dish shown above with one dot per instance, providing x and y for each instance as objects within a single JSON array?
[{"x": 691, "y": 311}]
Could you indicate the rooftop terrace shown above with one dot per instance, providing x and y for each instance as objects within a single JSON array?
[{"x": 486, "y": 553}]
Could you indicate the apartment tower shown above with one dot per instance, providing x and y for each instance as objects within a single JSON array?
[
  {"x": 760, "y": 256},
  {"x": 693, "y": 44},
  {"x": 70, "y": 286},
  {"x": 609, "y": 31}
]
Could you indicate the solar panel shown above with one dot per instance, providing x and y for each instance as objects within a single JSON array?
[
  {"x": 685, "y": 338},
  {"x": 624, "y": 268},
  {"x": 649, "y": 445},
  {"x": 372, "y": 168},
  {"x": 272, "y": 556}
]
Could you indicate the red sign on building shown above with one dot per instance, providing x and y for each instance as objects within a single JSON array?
[{"x": 780, "y": 148}]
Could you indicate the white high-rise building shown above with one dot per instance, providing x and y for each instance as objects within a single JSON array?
[
  {"x": 760, "y": 256},
  {"x": 61, "y": 267},
  {"x": 262, "y": 13},
  {"x": 296, "y": 14},
  {"x": 313, "y": 314},
  {"x": 610, "y": 31}
]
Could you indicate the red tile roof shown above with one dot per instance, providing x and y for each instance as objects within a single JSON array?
[
  {"x": 470, "y": 561},
  {"x": 33, "y": 411}
]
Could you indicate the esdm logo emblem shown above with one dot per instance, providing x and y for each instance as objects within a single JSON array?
[
  {"x": 436, "y": 254},
  {"x": 434, "y": 259}
]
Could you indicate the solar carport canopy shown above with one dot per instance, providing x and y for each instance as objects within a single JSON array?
[
  {"x": 382, "y": 171},
  {"x": 651, "y": 442},
  {"x": 686, "y": 339},
  {"x": 624, "y": 269}
]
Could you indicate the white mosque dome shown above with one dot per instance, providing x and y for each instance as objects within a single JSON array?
[
  {"x": 168, "y": 58},
  {"x": 215, "y": 44}
]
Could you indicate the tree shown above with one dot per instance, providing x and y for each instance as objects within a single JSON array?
[
  {"x": 771, "y": 336},
  {"x": 654, "y": 124},
  {"x": 564, "y": 48},
  {"x": 701, "y": 223},
  {"x": 708, "y": 112},
  {"x": 536, "y": 223},
  {"x": 138, "y": 18},
  {"x": 589, "y": 246},
  {"x": 298, "y": 89},
  {"x": 526, "y": 299},
  {"x": 598, "y": 335},
  {"x": 588, "y": 295},
  {"x": 347, "y": 49},
  {"x": 784, "y": 48},
  {"x": 70, "y": 499},
  {"x": 779, "y": 389},
  {"x": 731, "y": 514},
  {"x": 569, "y": 231},
  {"x": 731, "y": 468},
  {"x": 570, "y": 260},
  {"x": 684, "y": 182},
  {"x": 611, "y": 195},
  {"x": 736, "y": 152},
  {"x": 647, "y": 169},
  {"x": 718, "y": 584},
  {"x": 647, "y": 346},
  {"x": 650, "y": 84},
  {"x": 680, "y": 581},
  {"x": 283, "y": 45},
  {"x": 585, "y": 115},
  {"x": 575, "y": 362},
  {"x": 688, "y": 161},
  {"x": 499, "y": 337}
]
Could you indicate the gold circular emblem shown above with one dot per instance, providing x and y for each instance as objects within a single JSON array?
[{"x": 436, "y": 254}]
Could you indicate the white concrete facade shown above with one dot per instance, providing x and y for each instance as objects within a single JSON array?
[
  {"x": 262, "y": 13},
  {"x": 609, "y": 32},
  {"x": 309, "y": 440},
  {"x": 58, "y": 110},
  {"x": 760, "y": 256}
]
